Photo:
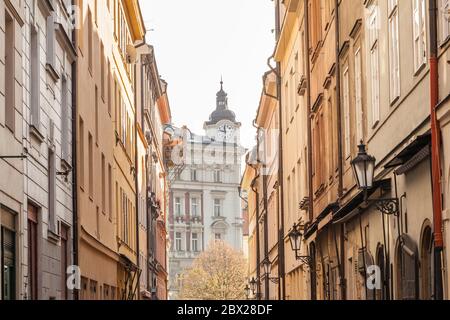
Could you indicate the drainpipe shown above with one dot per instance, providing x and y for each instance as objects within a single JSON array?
[
  {"x": 435, "y": 153},
  {"x": 136, "y": 182},
  {"x": 76, "y": 291},
  {"x": 281, "y": 235},
  {"x": 309, "y": 130},
  {"x": 340, "y": 147},
  {"x": 338, "y": 102},
  {"x": 258, "y": 255},
  {"x": 265, "y": 216}
]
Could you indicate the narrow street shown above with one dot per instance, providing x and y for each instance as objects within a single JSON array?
[{"x": 224, "y": 150}]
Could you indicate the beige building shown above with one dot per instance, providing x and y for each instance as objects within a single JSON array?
[
  {"x": 107, "y": 214},
  {"x": 292, "y": 69},
  {"x": 260, "y": 184},
  {"x": 351, "y": 83},
  {"x": 153, "y": 113}
]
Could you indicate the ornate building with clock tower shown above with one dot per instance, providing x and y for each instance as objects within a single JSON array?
[{"x": 204, "y": 198}]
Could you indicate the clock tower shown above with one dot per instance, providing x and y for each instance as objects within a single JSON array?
[{"x": 222, "y": 124}]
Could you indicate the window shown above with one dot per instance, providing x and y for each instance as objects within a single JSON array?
[
  {"x": 93, "y": 290},
  {"x": 82, "y": 160},
  {"x": 374, "y": 65},
  {"x": 419, "y": 30},
  {"x": 217, "y": 207},
  {"x": 194, "y": 175},
  {"x": 358, "y": 98},
  {"x": 96, "y": 114},
  {"x": 217, "y": 236},
  {"x": 102, "y": 70},
  {"x": 90, "y": 41},
  {"x": 346, "y": 97},
  {"x": 35, "y": 79},
  {"x": 51, "y": 190},
  {"x": 217, "y": 176},
  {"x": 178, "y": 241},
  {"x": 10, "y": 79},
  {"x": 195, "y": 242},
  {"x": 109, "y": 89},
  {"x": 194, "y": 207},
  {"x": 96, "y": 11},
  {"x": 32, "y": 251},
  {"x": 178, "y": 206},
  {"x": 8, "y": 254},
  {"x": 394, "y": 54},
  {"x": 65, "y": 114},
  {"x": 103, "y": 184},
  {"x": 50, "y": 41},
  {"x": 91, "y": 165},
  {"x": 110, "y": 192},
  {"x": 445, "y": 17}
]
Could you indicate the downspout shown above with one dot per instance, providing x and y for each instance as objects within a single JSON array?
[
  {"x": 340, "y": 147},
  {"x": 136, "y": 182},
  {"x": 258, "y": 255},
  {"x": 435, "y": 153},
  {"x": 265, "y": 216},
  {"x": 281, "y": 253},
  {"x": 309, "y": 137},
  {"x": 76, "y": 292}
]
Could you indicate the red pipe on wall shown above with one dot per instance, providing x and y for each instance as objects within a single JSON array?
[{"x": 435, "y": 151}]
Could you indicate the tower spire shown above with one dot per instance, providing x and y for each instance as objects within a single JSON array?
[{"x": 221, "y": 82}]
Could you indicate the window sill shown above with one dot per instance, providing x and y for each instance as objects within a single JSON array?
[
  {"x": 445, "y": 42},
  {"x": 65, "y": 164},
  {"x": 419, "y": 69},
  {"x": 53, "y": 237},
  {"x": 394, "y": 101},
  {"x": 52, "y": 72},
  {"x": 375, "y": 124},
  {"x": 35, "y": 133}
]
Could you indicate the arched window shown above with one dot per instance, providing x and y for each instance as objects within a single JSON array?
[
  {"x": 426, "y": 261},
  {"x": 407, "y": 269}
]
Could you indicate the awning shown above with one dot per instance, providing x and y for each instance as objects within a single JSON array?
[
  {"x": 410, "y": 151},
  {"x": 352, "y": 207},
  {"x": 127, "y": 263}
]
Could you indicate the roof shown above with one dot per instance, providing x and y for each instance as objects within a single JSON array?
[{"x": 221, "y": 112}]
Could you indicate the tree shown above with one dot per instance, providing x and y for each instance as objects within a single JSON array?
[{"x": 219, "y": 273}]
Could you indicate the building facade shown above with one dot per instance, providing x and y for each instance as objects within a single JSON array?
[
  {"x": 152, "y": 115},
  {"x": 38, "y": 63},
  {"x": 204, "y": 198},
  {"x": 348, "y": 90},
  {"x": 49, "y": 56},
  {"x": 108, "y": 241},
  {"x": 12, "y": 20},
  {"x": 261, "y": 185}
]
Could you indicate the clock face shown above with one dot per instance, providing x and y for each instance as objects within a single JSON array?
[{"x": 225, "y": 132}]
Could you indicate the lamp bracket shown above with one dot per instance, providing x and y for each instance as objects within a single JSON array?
[
  {"x": 304, "y": 259},
  {"x": 389, "y": 206},
  {"x": 275, "y": 280}
]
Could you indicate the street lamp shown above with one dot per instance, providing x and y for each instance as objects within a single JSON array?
[
  {"x": 247, "y": 291},
  {"x": 364, "y": 169},
  {"x": 253, "y": 284},
  {"x": 267, "y": 265},
  {"x": 295, "y": 238}
]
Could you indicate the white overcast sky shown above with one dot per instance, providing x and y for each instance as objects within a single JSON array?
[{"x": 197, "y": 41}]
